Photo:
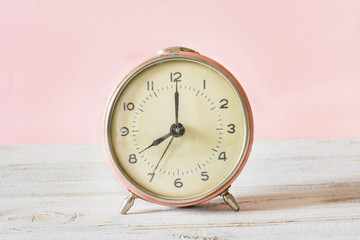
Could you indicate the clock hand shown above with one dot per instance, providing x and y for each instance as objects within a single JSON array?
[
  {"x": 157, "y": 141},
  {"x": 167, "y": 147},
  {"x": 176, "y": 104}
]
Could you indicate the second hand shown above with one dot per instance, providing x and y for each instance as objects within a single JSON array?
[{"x": 167, "y": 147}]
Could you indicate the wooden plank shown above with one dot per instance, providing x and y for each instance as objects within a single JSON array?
[{"x": 290, "y": 189}]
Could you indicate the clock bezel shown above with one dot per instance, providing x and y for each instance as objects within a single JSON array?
[{"x": 241, "y": 161}]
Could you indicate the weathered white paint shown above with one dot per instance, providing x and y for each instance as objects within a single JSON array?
[{"x": 290, "y": 189}]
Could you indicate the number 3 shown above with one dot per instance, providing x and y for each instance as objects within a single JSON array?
[{"x": 232, "y": 128}]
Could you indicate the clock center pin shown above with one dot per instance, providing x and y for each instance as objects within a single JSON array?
[{"x": 177, "y": 130}]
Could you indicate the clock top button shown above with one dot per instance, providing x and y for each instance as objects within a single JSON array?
[{"x": 175, "y": 50}]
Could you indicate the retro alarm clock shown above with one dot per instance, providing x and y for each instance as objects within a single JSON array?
[{"x": 178, "y": 130}]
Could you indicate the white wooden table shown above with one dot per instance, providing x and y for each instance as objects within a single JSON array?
[{"x": 290, "y": 189}]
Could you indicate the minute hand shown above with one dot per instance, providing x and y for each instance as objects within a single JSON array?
[
  {"x": 176, "y": 105},
  {"x": 157, "y": 141}
]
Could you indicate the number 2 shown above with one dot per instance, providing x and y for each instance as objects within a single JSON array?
[{"x": 224, "y": 103}]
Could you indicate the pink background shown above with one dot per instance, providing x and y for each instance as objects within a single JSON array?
[{"x": 299, "y": 61}]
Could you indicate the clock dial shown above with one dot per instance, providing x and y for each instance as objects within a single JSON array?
[{"x": 178, "y": 129}]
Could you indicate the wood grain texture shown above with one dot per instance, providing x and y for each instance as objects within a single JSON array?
[{"x": 290, "y": 189}]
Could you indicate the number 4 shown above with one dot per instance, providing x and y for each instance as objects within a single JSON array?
[{"x": 222, "y": 156}]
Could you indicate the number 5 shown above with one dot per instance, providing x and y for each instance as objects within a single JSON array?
[{"x": 204, "y": 176}]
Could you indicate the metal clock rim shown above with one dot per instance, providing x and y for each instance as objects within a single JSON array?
[{"x": 241, "y": 161}]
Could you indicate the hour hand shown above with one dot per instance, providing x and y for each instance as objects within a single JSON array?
[{"x": 157, "y": 141}]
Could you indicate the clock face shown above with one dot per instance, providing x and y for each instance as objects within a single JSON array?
[{"x": 178, "y": 129}]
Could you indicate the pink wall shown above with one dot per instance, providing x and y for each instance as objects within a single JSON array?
[{"x": 299, "y": 61}]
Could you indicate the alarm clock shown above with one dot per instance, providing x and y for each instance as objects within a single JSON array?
[{"x": 178, "y": 130}]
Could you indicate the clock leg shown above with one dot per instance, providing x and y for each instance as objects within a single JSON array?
[
  {"x": 129, "y": 201},
  {"x": 230, "y": 200}
]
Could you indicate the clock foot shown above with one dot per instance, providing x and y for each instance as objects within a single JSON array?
[
  {"x": 129, "y": 201},
  {"x": 230, "y": 200}
]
